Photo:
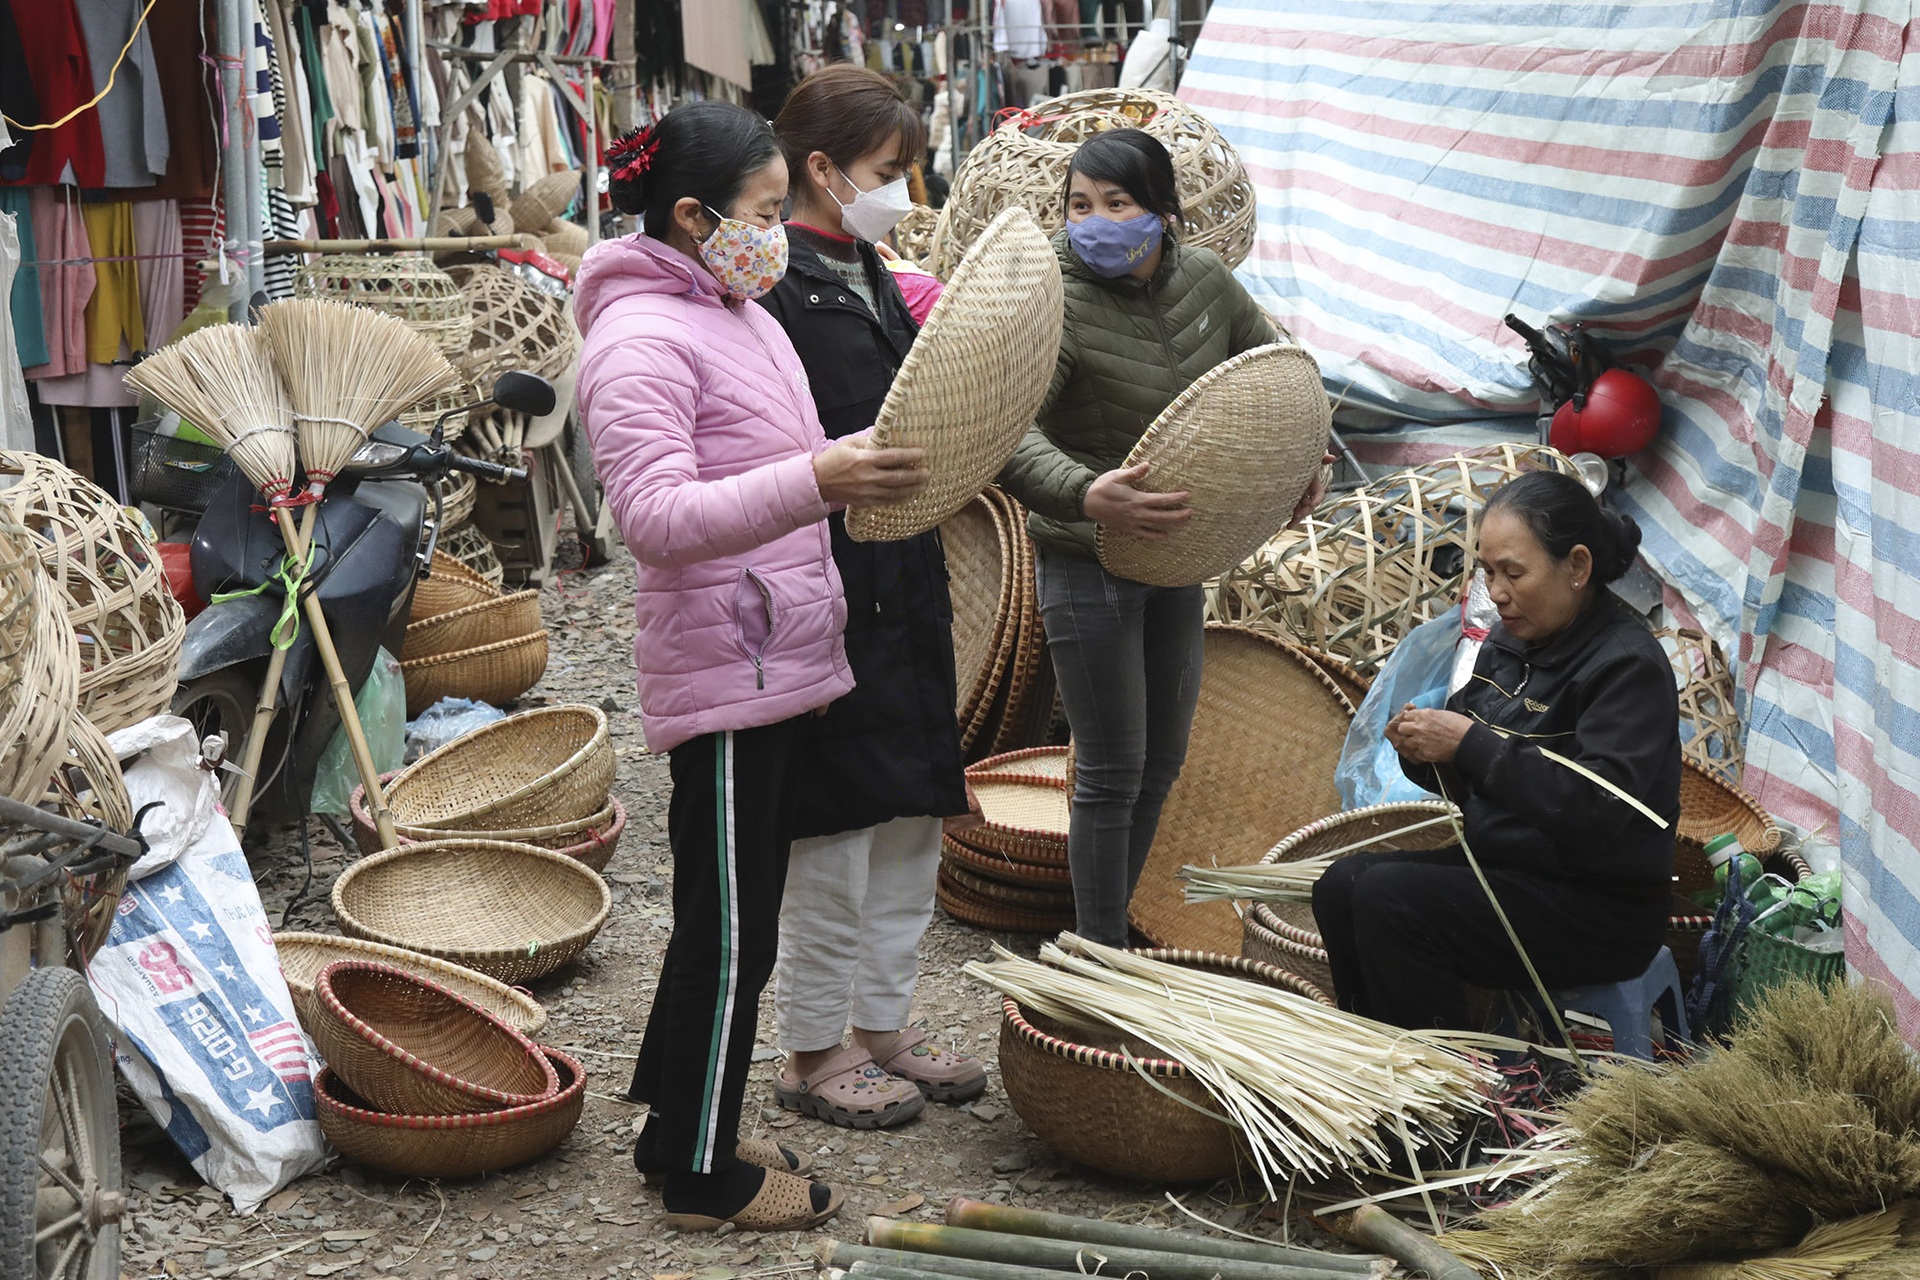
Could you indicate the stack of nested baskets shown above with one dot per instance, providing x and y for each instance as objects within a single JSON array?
[
  {"x": 423, "y": 1081},
  {"x": 542, "y": 778},
  {"x": 1010, "y": 872},
  {"x": 1006, "y": 686},
  {"x": 467, "y": 640}
]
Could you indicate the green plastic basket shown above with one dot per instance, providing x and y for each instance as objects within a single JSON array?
[{"x": 1766, "y": 961}]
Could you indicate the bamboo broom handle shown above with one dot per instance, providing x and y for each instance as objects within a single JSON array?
[
  {"x": 1374, "y": 1228},
  {"x": 264, "y": 711},
  {"x": 1056, "y": 1254}
]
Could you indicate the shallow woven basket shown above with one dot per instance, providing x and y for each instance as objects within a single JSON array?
[
  {"x": 984, "y": 912},
  {"x": 39, "y": 667},
  {"x": 592, "y": 840},
  {"x": 496, "y": 673},
  {"x": 1245, "y": 440},
  {"x": 1708, "y": 808},
  {"x": 512, "y": 911},
  {"x": 450, "y": 1146},
  {"x": 978, "y": 546},
  {"x": 959, "y": 856},
  {"x": 1285, "y": 933},
  {"x": 541, "y": 767},
  {"x": 304, "y": 955},
  {"x": 1026, "y": 819},
  {"x": 515, "y": 326},
  {"x": 1709, "y": 723},
  {"x": 449, "y": 585},
  {"x": 474, "y": 549},
  {"x": 406, "y": 286},
  {"x": 100, "y": 559},
  {"x": 1088, "y": 1101},
  {"x": 545, "y": 200},
  {"x": 457, "y": 493},
  {"x": 1048, "y": 764},
  {"x": 1022, "y": 709},
  {"x": 1266, "y": 735},
  {"x": 1055, "y": 899},
  {"x": 488, "y": 622},
  {"x": 409, "y": 1045},
  {"x": 1349, "y": 681},
  {"x": 968, "y": 390}
]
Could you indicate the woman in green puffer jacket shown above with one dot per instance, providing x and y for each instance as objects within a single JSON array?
[{"x": 1145, "y": 317}]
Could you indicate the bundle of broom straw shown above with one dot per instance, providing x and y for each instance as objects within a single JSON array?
[{"x": 222, "y": 380}]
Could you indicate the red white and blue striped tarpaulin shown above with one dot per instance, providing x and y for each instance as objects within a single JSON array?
[{"x": 1729, "y": 191}]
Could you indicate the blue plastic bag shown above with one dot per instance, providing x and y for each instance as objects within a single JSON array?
[{"x": 1416, "y": 671}]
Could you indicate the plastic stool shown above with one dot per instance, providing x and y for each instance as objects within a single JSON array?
[{"x": 1628, "y": 1007}]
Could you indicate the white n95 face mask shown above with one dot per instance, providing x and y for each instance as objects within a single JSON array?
[{"x": 870, "y": 215}]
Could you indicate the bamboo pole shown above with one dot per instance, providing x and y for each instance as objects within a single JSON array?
[
  {"x": 962, "y": 1212},
  {"x": 1372, "y": 1227},
  {"x": 895, "y": 1264},
  {"x": 1078, "y": 1255}
]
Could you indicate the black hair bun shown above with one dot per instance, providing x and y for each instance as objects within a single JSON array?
[{"x": 1623, "y": 532}]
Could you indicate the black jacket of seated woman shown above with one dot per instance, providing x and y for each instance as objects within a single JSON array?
[{"x": 1584, "y": 877}]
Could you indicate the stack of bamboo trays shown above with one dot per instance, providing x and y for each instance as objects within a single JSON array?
[
  {"x": 465, "y": 639},
  {"x": 1010, "y": 872},
  {"x": 1007, "y": 695}
]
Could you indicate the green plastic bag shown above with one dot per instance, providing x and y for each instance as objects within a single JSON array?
[{"x": 382, "y": 703}]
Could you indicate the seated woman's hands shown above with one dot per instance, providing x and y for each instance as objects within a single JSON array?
[
  {"x": 855, "y": 474},
  {"x": 1427, "y": 736},
  {"x": 1113, "y": 501}
]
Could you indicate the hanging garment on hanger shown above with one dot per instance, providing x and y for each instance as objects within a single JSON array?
[
  {"x": 158, "y": 241},
  {"x": 1020, "y": 28},
  {"x": 265, "y": 97},
  {"x": 29, "y": 326},
  {"x": 291, "y": 105},
  {"x": 187, "y": 90},
  {"x": 16, "y": 414},
  {"x": 133, "y": 117},
  {"x": 201, "y": 229},
  {"x": 60, "y": 236},
  {"x": 114, "y": 327},
  {"x": 56, "y": 54}
]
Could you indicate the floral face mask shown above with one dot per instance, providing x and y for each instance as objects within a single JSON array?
[{"x": 748, "y": 261}]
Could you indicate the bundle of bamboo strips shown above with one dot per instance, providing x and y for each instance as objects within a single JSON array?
[
  {"x": 1287, "y": 881},
  {"x": 1311, "y": 1088}
]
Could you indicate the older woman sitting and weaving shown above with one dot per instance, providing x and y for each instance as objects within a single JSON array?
[{"x": 1570, "y": 711}]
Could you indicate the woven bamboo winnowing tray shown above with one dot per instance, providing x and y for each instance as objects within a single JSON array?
[{"x": 968, "y": 390}]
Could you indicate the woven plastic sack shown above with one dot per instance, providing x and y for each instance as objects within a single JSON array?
[
  {"x": 204, "y": 1025},
  {"x": 1417, "y": 671},
  {"x": 382, "y": 704}
]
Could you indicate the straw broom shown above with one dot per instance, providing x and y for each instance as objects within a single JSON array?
[{"x": 347, "y": 369}]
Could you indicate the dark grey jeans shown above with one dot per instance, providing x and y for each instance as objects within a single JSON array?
[{"x": 1128, "y": 660}]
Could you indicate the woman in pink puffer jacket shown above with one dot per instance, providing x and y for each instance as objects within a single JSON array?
[{"x": 713, "y": 461}]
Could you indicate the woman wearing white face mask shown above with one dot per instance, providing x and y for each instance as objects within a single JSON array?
[{"x": 884, "y": 765}]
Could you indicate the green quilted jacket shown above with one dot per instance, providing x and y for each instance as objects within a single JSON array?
[{"x": 1129, "y": 347}]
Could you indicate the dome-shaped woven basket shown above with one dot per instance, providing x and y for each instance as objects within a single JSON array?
[
  {"x": 409, "y": 1045},
  {"x": 512, "y": 911},
  {"x": 913, "y": 235},
  {"x": 423, "y": 415},
  {"x": 538, "y": 768},
  {"x": 591, "y": 840},
  {"x": 546, "y": 199},
  {"x": 565, "y": 239},
  {"x": 1245, "y": 440},
  {"x": 1284, "y": 933},
  {"x": 450, "y": 1146},
  {"x": 304, "y": 955},
  {"x": 496, "y": 673},
  {"x": 39, "y": 667},
  {"x": 515, "y": 326},
  {"x": 968, "y": 390},
  {"x": 474, "y": 549},
  {"x": 449, "y": 585},
  {"x": 1709, "y": 722},
  {"x": 1023, "y": 164},
  {"x": 490, "y": 621},
  {"x": 406, "y": 286},
  {"x": 1026, "y": 819},
  {"x": 1266, "y": 735},
  {"x": 100, "y": 559},
  {"x": 1082, "y": 1094},
  {"x": 457, "y": 495}
]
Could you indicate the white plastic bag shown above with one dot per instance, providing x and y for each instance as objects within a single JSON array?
[
  {"x": 205, "y": 1028},
  {"x": 165, "y": 771}
]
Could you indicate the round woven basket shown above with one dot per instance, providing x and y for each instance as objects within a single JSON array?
[
  {"x": 984, "y": 912},
  {"x": 1352, "y": 685},
  {"x": 99, "y": 558},
  {"x": 591, "y": 840},
  {"x": 485, "y": 623},
  {"x": 450, "y": 1146},
  {"x": 474, "y": 549},
  {"x": 457, "y": 493},
  {"x": 406, "y": 286},
  {"x": 565, "y": 239},
  {"x": 1021, "y": 897},
  {"x": 515, "y": 326},
  {"x": 968, "y": 389},
  {"x": 1709, "y": 722},
  {"x": 87, "y": 785},
  {"x": 1001, "y": 869},
  {"x": 411, "y": 1046},
  {"x": 1084, "y": 1098},
  {"x": 304, "y": 955},
  {"x": 449, "y": 585},
  {"x": 1285, "y": 933},
  {"x": 546, "y": 199},
  {"x": 1244, "y": 440},
  {"x": 1046, "y": 764},
  {"x": 496, "y": 673},
  {"x": 1710, "y": 807},
  {"x": 39, "y": 667},
  {"x": 512, "y": 911},
  {"x": 978, "y": 547},
  {"x": 1023, "y": 164},
  {"x": 536, "y": 769},
  {"x": 1026, "y": 819},
  {"x": 1266, "y": 734},
  {"x": 1022, "y": 706}
]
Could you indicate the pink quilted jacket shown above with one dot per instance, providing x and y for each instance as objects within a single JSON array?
[{"x": 704, "y": 434}]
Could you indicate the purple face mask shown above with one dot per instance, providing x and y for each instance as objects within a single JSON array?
[{"x": 1112, "y": 249}]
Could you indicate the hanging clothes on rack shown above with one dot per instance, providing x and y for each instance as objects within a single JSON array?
[{"x": 55, "y": 51}]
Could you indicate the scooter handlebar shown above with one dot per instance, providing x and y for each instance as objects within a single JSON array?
[{"x": 484, "y": 469}]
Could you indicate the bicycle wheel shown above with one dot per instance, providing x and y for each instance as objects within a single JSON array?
[{"x": 60, "y": 1195}]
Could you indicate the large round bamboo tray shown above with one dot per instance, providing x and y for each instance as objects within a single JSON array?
[
  {"x": 411, "y": 1046},
  {"x": 304, "y": 955},
  {"x": 592, "y": 841},
  {"x": 981, "y": 585},
  {"x": 475, "y": 550},
  {"x": 1024, "y": 163},
  {"x": 1371, "y": 565},
  {"x": 406, "y": 286},
  {"x": 1085, "y": 1098},
  {"x": 99, "y": 557},
  {"x": 39, "y": 667},
  {"x": 991, "y": 913},
  {"x": 1245, "y": 440},
  {"x": 1709, "y": 723},
  {"x": 1352, "y": 685},
  {"x": 1024, "y": 703},
  {"x": 449, "y": 585},
  {"x": 515, "y": 326},
  {"x": 450, "y": 1146},
  {"x": 513, "y": 911},
  {"x": 546, "y": 199},
  {"x": 1026, "y": 819},
  {"x": 485, "y": 623},
  {"x": 1285, "y": 933},
  {"x": 538, "y": 768},
  {"x": 496, "y": 673},
  {"x": 1266, "y": 735},
  {"x": 968, "y": 390}
]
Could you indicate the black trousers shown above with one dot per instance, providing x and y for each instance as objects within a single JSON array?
[
  {"x": 730, "y": 823},
  {"x": 1406, "y": 932}
]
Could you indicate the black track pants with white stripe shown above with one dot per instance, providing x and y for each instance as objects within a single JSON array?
[{"x": 730, "y": 823}]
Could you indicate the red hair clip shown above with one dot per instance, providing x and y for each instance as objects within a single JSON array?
[{"x": 633, "y": 154}]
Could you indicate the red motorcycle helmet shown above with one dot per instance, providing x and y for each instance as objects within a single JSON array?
[{"x": 1622, "y": 417}]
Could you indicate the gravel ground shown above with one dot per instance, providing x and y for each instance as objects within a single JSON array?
[{"x": 581, "y": 1210}]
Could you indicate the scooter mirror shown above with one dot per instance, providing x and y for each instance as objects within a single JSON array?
[{"x": 523, "y": 392}]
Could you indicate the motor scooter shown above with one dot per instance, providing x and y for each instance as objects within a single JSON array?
[{"x": 374, "y": 533}]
